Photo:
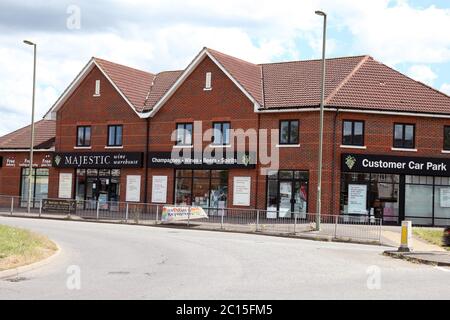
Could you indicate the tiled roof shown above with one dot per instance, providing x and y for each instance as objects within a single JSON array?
[
  {"x": 161, "y": 83},
  {"x": 298, "y": 83},
  {"x": 246, "y": 73},
  {"x": 133, "y": 83},
  {"x": 44, "y": 135},
  {"x": 377, "y": 86},
  {"x": 351, "y": 82}
]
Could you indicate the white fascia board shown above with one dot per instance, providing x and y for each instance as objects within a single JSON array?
[{"x": 197, "y": 60}]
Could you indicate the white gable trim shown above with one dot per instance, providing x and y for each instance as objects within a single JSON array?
[
  {"x": 51, "y": 114},
  {"x": 191, "y": 67}
]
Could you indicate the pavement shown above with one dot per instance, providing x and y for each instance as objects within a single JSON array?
[{"x": 117, "y": 261}]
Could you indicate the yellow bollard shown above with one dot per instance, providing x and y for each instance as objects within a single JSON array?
[{"x": 406, "y": 237}]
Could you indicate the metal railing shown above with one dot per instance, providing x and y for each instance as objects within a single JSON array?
[{"x": 343, "y": 227}]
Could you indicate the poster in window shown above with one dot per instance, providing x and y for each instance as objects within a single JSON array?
[
  {"x": 159, "y": 189},
  {"x": 445, "y": 197},
  {"x": 133, "y": 189},
  {"x": 65, "y": 186},
  {"x": 241, "y": 191},
  {"x": 357, "y": 198}
]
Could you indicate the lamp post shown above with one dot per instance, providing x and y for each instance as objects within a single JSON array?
[
  {"x": 322, "y": 98},
  {"x": 30, "y": 176}
]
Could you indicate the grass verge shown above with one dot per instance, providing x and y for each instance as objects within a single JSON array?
[
  {"x": 431, "y": 235},
  {"x": 19, "y": 247}
]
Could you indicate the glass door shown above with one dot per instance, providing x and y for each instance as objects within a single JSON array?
[{"x": 285, "y": 190}]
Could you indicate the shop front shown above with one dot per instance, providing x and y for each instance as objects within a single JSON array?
[
  {"x": 395, "y": 188},
  {"x": 16, "y": 176},
  {"x": 204, "y": 181},
  {"x": 97, "y": 176}
]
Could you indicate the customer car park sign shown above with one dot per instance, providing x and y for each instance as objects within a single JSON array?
[
  {"x": 181, "y": 213},
  {"x": 395, "y": 164}
]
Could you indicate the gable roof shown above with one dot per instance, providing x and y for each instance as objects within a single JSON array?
[
  {"x": 44, "y": 136},
  {"x": 132, "y": 84}
]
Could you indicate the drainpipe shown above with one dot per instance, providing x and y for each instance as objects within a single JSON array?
[{"x": 147, "y": 141}]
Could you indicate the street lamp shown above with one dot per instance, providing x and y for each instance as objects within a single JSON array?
[
  {"x": 30, "y": 176},
  {"x": 322, "y": 98}
]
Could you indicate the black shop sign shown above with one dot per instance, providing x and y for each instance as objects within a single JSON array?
[
  {"x": 58, "y": 205},
  {"x": 395, "y": 164},
  {"x": 200, "y": 160},
  {"x": 98, "y": 160}
]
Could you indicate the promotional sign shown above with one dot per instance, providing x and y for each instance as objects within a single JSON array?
[
  {"x": 445, "y": 198},
  {"x": 395, "y": 164},
  {"x": 357, "y": 198},
  {"x": 133, "y": 189},
  {"x": 98, "y": 160},
  {"x": 65, "y": 206},
  {"x": 159, "y": 189},
  {"x": 192, "y": 160},
  {"x": 241, "y": 191},
  {"x": 65, "y": 186},
  {"x": 174, "y": 213}
]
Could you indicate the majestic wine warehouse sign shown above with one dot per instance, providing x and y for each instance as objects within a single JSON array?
[
  {"x": 191, "y": 160},
  {"x": 395, "y": 164},
  {"x": 98, "y": 160}
]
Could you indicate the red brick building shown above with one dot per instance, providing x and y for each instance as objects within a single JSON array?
[{"x": 120, "y": 131}]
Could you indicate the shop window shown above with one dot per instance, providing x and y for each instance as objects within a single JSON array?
[
  {"x": 98, "y": 187},
  {"x": 419, "y": 199},
  {"x": 404, "y": 135},
  {"x": 83, "y": 136},
  {"x": 353, "y": 133},
  {"x": 184, "y": 134},
  {"x": 289, "y": 132},
  {"x": 221, "y": 135},
  {"x": 447, "y": 138},
  {"x": 204, "y": 188},
  {"x": 39, "y": 186},
  {"x": 115, "y": 135},
  {"x": 380, "y": 199}
]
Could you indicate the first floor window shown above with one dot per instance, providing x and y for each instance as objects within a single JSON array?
[
  {"x": 447, "y": 138},
  {"x": 221, "y": 134},
  {"x": 83, "y": 136},
  {"x": 353, "y": 133},
  {"x": 289, "y": 132},
  {"x": 184, "y": 134},
  {"x": 115, "y": 135},
  {"x": 404, "y": 135}
]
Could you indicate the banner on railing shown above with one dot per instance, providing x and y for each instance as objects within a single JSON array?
[{"x": 176, "y": 213}]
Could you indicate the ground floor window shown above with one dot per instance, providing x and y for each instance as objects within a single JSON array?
[
  {"x": 287, "y": 193},
  {"x": 427, "y": 200},
  {"x": 100, "y": 186},
  {"x": 424, "y": 200},
  {"x": 371, "y": 194},
  {"x": 39, "y": 185},
  {"x": 204, "y": 188}
]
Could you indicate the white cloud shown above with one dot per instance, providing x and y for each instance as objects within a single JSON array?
[
  {"x": 422, "y": 73},
  {"x": 445, "y": 88}
]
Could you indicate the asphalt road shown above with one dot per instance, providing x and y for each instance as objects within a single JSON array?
[{"x": 134, "y": 262}]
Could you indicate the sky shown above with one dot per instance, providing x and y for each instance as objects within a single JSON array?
[{"x": 411, "y": 36}]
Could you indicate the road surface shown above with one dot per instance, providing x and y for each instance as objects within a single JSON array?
[{"x": 108, "y": 261}]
